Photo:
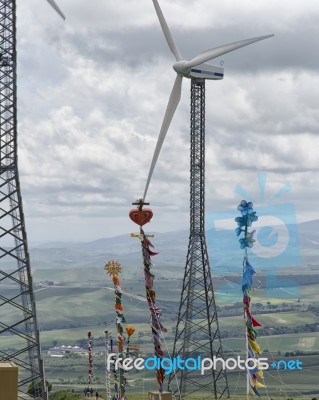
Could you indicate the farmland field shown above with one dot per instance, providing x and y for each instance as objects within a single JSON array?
[{"x": 69, "y": 309}]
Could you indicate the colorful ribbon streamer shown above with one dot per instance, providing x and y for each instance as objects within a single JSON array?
[
  {"x": 90, "y": 352},
  {"x": 248, "y": 216},
  {"x": 141, "y": 217},
  {"x": 155, "y": 312}
]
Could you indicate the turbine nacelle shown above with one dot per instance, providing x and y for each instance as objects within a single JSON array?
[
  {"x": 204, "y": 70},
  {"x": 207, "y": 71}
]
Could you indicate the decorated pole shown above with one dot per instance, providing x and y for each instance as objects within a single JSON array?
[
  {"x": 113, "y": 268},
  {"x": 90, "y": 353},
  {"x": 248, "y": 216},
  {"x": 115, "y": 377},
  {"x": 108, "y": 395},
  {"x": 142, "y": 216}
]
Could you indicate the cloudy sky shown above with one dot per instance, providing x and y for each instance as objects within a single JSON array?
[{"x": 93, "y": 91}]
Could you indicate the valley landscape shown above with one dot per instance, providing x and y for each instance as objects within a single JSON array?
[{"x": 74, "y": 296}]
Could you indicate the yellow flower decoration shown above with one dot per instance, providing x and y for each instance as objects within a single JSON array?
[
  {"x": 113, "y": 268},
  {"x": 130, "y": 330}
]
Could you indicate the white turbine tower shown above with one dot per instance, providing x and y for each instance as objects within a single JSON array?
[{"x": 197, "y": 328}]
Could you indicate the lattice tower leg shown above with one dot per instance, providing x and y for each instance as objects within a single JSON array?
[
  {"x": 197, "y": 329},
  {"x": 17, "y": 304}
]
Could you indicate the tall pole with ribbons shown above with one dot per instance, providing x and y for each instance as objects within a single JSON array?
[
  {"x": 113, "y": 268},
  {"x": 107, "y": 371},
  {"x": 90, "y": 353},
  {"x": 142, "y": 216},
  {"x": 253, "y": 350}
]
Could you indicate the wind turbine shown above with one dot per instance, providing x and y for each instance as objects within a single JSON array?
[
  {"x": 197, "y": 67},
  {"x": 197, "y": 328},
  {"x": 18, "y": 312}
]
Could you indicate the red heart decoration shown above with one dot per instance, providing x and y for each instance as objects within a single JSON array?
[{"x": 141, "y": 217}]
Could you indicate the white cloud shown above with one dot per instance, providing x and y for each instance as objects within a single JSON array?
[{"x": 93, "y": 91}]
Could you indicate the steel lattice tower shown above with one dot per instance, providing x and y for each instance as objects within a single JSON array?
[
  {"x": 197, "y": 329},
  {"x": 17, "y": 305}
]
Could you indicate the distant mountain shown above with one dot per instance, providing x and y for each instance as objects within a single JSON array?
[
  {"x": 302, "y": 247},
  {"x": 171, "y": 246}
]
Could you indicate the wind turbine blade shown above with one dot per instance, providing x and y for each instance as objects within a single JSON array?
[
  {"x": 167, "y": 32},
  {"x": 169, "y": 113},
  {"x": 56, "y": 7},
  {"x": 218, "y": 51}
]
